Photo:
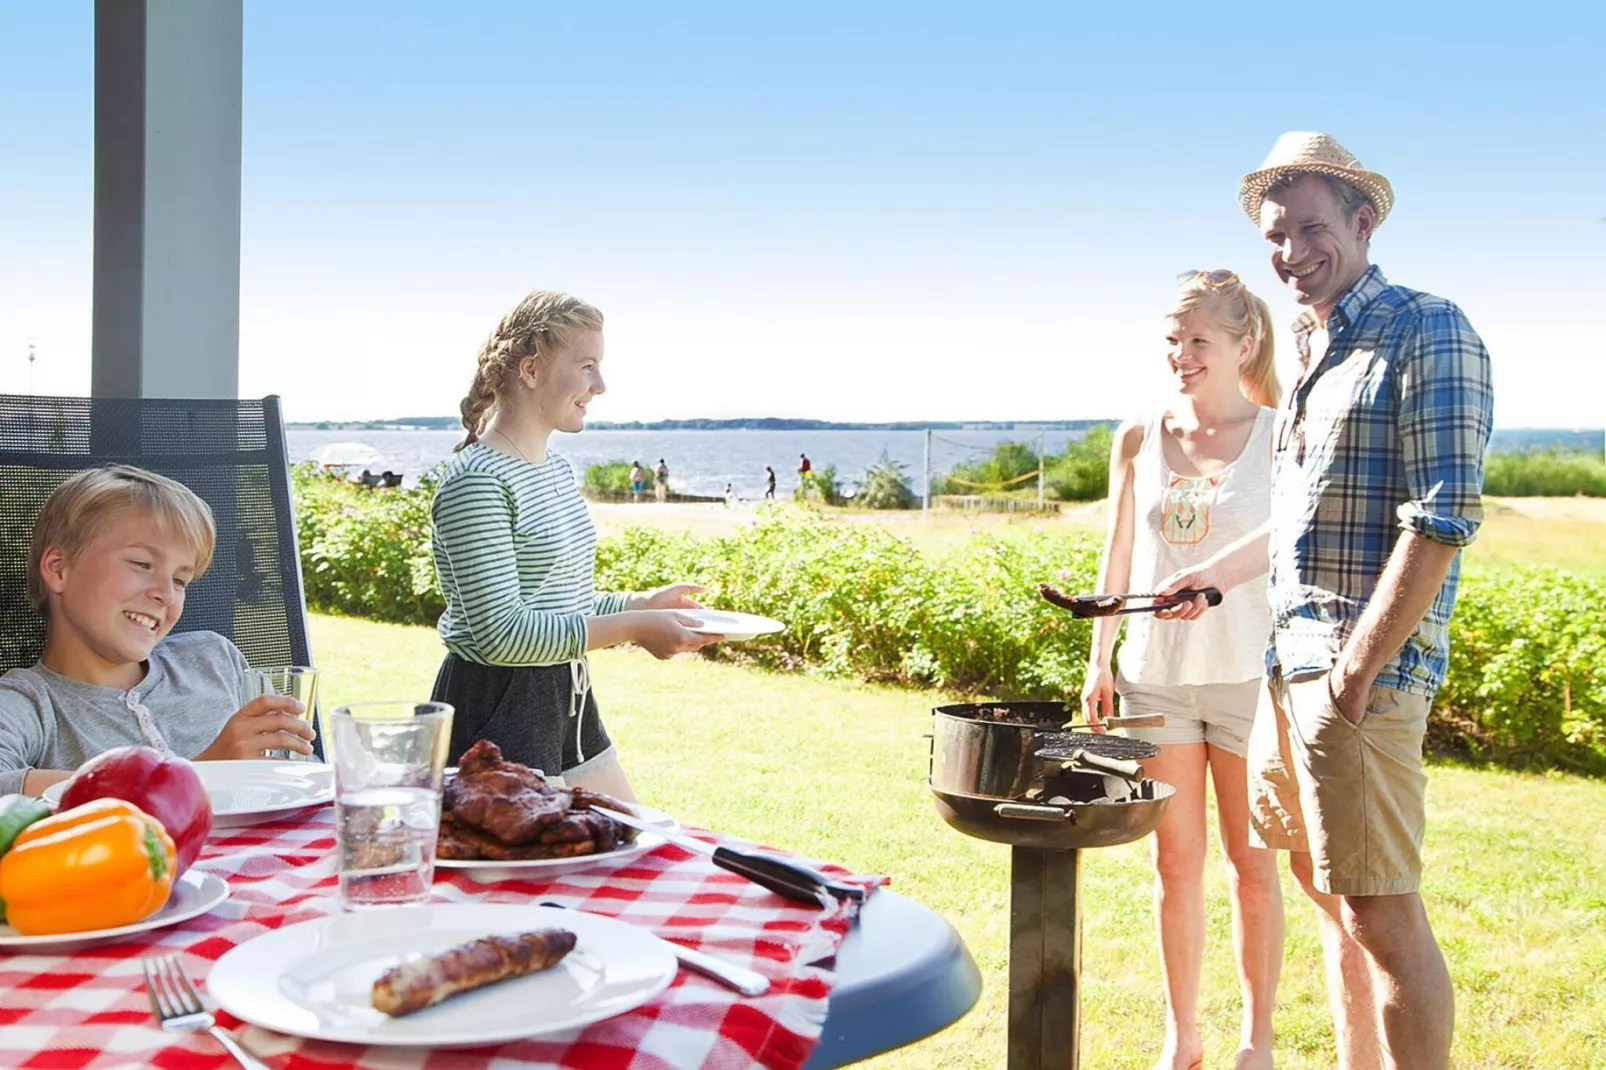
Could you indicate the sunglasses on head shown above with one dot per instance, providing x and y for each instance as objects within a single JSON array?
[{"x": 1213, "y": 280}]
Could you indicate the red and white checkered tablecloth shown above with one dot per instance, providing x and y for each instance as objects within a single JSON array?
[{"x": 89, "y": 1009}]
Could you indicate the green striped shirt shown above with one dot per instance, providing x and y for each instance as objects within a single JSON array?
[{"x": 515, "y": 550}]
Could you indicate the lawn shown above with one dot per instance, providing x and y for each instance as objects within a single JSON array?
[{"x": 1516, "y": 864}]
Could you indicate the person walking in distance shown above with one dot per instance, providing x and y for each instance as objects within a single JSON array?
[
  {"x": 638, "y": 480},
  {"x": 803, "y": 470},
  {"x": 1376, "y": 486},
  {"x": 660, "y": 482},
  {"x": 769, "y": 483},
  {"x": 1188, "y": 478}
]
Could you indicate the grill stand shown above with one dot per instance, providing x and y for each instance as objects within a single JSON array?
[{"x": 1045, "y": 958}]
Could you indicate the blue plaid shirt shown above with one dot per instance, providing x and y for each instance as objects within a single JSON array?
[{"x": 1386, "y": 432}]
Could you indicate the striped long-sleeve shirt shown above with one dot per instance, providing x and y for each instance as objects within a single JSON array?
[
  {"x": 1385, "y": 432},
  {"x": 515, "y": 550}
]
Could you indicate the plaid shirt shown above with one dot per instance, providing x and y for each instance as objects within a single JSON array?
[{"x": 1386, "y": 432}]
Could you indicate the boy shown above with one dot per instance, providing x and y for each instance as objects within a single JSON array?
[{"x": 113, "y": 550}]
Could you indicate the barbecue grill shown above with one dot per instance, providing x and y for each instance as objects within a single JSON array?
[{"x": 1007, "y": 772}]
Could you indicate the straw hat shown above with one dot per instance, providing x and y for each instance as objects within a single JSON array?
[{"x": 1304, "y": 153}]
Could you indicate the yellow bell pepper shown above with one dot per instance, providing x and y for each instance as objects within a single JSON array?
[{"x": 97, "y": 866}]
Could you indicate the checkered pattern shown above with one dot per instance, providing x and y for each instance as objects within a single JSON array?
[
  {"x": 1386, "y": 432},
  {"x": 89, "y": 1009}
]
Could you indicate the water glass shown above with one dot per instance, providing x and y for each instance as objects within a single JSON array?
[
  {"x": 389, "y": 760},
  {"x": 299, "y": 682}
]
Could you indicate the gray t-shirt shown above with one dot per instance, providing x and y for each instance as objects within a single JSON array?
[{"x": 194, "y": 683}]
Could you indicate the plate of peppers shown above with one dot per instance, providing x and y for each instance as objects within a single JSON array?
[{"x": 91, "y": 874}]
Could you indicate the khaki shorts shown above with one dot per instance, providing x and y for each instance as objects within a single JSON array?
[
  {"x": 1353, "y": 796},
  {"x": 1217, "y": 714}
]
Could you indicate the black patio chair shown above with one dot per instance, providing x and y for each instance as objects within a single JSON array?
[{"x": 231, "y": 453}]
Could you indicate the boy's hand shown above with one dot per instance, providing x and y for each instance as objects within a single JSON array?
[{"x": 272, "y": 722}]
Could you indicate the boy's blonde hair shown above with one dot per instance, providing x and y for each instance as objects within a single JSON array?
[{"x": 82, "y": 508}]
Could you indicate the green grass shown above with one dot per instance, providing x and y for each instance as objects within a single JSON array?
[{"x": 1516, "y": 864}]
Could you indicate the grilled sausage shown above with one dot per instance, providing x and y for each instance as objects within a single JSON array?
[
  {"x": 424, "y": 980},
  {"x": 1085, "y": 605}
]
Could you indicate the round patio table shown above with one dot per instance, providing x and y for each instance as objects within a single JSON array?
[{"x": 902, "y": 975}]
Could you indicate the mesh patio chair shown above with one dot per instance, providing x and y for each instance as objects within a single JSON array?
[{"x": 231, "y": 453}]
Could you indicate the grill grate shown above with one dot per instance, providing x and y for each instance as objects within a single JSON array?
[{"x": 1059, "y": 746}]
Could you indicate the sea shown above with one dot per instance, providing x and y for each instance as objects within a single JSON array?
[{"x": 704, "y": 462}]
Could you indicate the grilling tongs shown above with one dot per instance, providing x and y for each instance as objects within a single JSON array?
[{"x": 1084, "y": 606}]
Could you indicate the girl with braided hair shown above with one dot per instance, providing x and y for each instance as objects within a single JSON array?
[
  {"x": 1188, "y": 478},
  {"x": 515, "y": 550}
]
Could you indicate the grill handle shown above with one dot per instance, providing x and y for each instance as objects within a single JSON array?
[{"x": 1028, "y": 812}]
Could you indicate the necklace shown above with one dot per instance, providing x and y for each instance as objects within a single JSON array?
[{"x": 497, "y": 431}]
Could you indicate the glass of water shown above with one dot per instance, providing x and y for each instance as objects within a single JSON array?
[
  {"x": 299, "y": 682},
  {"x": 389, "y": 759}
]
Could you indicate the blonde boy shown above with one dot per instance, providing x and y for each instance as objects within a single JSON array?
[{"x": 113, "y": 552}]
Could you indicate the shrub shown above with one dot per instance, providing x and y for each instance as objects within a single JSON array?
[
  {"x": 820, "y": 485},
  {"x": 608, "y": 479},
  {"x": 1527, "y": 674},
  {"x": 1545, "y": 472},
  {"x": 885, "y": 486},
  {"x": 1005, "y": 470},
  {"x": 1082, "y": 472}
]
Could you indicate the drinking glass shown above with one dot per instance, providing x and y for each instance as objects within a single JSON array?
[
  {"x": 389, "y": 760},
  {"x": 299, "y": 682}
]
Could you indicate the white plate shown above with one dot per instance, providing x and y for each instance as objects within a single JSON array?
[
  {"x": 316, "y": 979},
  {"x": 193, "y": 894},
  {"x": 251, "y": 792},
  {"x": 735, "y": 627},
  {"x": 489, "y": 872}
]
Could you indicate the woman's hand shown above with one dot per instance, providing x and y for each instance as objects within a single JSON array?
[
  {"x": 1098, "y": 695},
  {"x": 272, "y": 722},
  {"x": 674, "y": 596},
  {"x": 665, "y": 633},
  {"x": 1191, "y": 579}
]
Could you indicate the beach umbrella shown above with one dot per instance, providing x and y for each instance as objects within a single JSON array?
[{"x": 347, "y": 455}]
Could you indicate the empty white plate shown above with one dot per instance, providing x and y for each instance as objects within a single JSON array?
[
  {"x": 251, "y": 792},
  {"x": 735, "y": 627},
  {"x": 193, "y": 894},
  {"x": 316, "y": 979}
]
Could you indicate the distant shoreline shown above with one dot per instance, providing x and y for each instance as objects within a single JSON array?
[{"x": 749, "y": 423}]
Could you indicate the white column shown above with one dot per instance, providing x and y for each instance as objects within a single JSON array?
[{"x": 167, "y": 198}]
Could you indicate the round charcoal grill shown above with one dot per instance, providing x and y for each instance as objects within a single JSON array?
[{"x": 1010, "y": 773}]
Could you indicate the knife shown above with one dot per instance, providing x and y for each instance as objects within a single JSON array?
[
  {"x": 747, "y": 982},
  {"x": 790, "y": 879}
]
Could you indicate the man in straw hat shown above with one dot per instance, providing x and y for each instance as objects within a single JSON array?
[{"x": 1377, "y": 480}]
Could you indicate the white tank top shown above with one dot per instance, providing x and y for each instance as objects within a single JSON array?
[{"x": 1179, "y": 522}]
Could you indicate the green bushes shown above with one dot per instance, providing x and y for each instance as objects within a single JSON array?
[
  {"x": 885, "y": 486},
  {"x": 1528, "y": 666},
  {"x": 1080, "y": 474},
  {"x": 608, "y": 479},
  {"x": 1527, "y": 676},
  {"x": 365, "y": 551},
  {"x": 1549, "y": 473}
]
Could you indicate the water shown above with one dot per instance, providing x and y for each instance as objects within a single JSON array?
[
  {"x": 702, "y": 462},
  {"x": 387, "y": 845}
]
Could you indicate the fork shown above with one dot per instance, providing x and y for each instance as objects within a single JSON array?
[{"x": 179, "y": 1009}]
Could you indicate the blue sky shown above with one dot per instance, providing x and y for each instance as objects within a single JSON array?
[{"x": 849, "y": 211}]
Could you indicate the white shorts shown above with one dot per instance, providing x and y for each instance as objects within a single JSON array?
[{"x": 1218, "y": 714}]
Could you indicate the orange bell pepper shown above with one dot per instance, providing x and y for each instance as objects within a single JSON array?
[{"x": 97, "y": 866}]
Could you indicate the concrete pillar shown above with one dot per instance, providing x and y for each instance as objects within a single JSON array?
[{"x": 167, "y": 198}]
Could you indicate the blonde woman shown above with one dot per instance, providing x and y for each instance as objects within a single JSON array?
[
  {"x": 515, "y": 550},
  {"x": 1186, "y": 480}
]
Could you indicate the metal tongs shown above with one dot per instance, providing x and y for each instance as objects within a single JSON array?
[{"x": 1085, "y": 606}]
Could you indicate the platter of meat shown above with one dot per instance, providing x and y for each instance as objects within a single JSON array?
[
  {"x": 501, "y": 820},
  {"x": 441, "y": 975}
]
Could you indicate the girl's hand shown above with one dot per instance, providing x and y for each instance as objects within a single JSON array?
[
  {"x": 272, "y": 722},
  {"x": 665, "y": 633},
  {"x": 1098, "y": 695},
  {"x": 1195, "y": 579},
  {"x": 674, "y": 596}
]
